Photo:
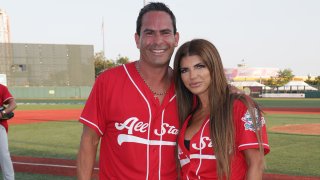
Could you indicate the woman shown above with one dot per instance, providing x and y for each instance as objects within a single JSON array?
[{"x": 223, "y": 135}]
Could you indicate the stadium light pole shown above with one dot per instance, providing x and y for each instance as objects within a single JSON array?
[{"x": 102, "y": 31}]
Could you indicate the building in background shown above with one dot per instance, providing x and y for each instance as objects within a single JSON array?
[
  {"x": 44, "y": 70},
  {"x": 244, "y": 73},
  {"x": 48, "y": 65},
  {"x": 37, "y": 70}
]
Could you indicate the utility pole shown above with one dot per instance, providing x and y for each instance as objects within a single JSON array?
[
  {"x": 102, "y": 29},
  {"x": 6, "y": 59}
]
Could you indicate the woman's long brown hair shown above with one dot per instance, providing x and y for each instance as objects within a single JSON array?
[{"x": 221, "y": 101}]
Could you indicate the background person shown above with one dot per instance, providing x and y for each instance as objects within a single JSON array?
[
  {"x": 223, "y": 134},
  {"x": 132, "y": 108},
  {"x": 5, "y": 160}
]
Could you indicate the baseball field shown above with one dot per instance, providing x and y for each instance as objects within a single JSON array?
[{"x": 44, "y": 138}]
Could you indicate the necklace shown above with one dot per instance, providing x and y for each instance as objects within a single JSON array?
[{"x": 154, "y": 92}]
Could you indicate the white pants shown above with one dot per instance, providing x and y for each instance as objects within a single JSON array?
[{"x": 5, "y": 159}]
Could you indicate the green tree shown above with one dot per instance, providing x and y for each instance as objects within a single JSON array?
[
  {"x": 315, "y": 82},
  {"x": 283, "y": 77},
  {"x": 317, "y": 79},
  {"x": 101, "y": 63},
  {"x": 270, "y": 82},
  {"x": 122, "y": 60}
]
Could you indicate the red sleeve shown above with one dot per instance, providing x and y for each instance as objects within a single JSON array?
[
  {"x": 246, "y": 137},
  {"x": 92, "y": 113},
  {"x": 5, "y": 94}
]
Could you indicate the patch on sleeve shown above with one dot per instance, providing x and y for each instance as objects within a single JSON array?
[{"x": 248, "y": 122}]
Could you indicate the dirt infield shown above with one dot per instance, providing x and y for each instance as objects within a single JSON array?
[
  {"x": 62, "y": 167},
  {"x": 36, "y": 116},
  {"x": 309, "y": 129},
  {"x": 292, "y": 110},
  {"x": 58, "y": 167}
]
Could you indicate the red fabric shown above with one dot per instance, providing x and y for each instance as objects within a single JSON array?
[
  {"x": 200, "y": 161},
  {"x": 121, "y": 115},
  {"x": 4, "y": 96}
]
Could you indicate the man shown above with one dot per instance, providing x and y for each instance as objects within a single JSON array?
[
  {"x": 132, "y": 108},
  {"x": 5, "y": 159}
]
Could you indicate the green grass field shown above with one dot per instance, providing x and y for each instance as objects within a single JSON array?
[
  {"x": 289, "y": 102},
  {"x": 290, "y": 154},
  {"x": 27, "y": 176},
  {"x": 59, "y": 139},
  {"x": 293, "y": 154}
]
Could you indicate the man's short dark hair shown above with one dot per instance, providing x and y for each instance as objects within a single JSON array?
[{"x": 155, "y": 6}]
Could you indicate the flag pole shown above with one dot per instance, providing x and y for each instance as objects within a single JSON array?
[{"x": 102, "y": 29}]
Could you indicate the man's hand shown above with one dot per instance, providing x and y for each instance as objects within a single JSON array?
[
  {"x": 4, "y": 115},
  {"x": 10, "y": 106}
]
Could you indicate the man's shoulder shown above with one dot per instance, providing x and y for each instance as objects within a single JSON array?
[
  {"x": 239, "y": 106},
  {"x": 115, "y": 73},
  {"x": 117, "y": 69}
]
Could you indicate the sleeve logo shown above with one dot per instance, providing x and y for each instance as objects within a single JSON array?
[{"x": 248, "y": 121}]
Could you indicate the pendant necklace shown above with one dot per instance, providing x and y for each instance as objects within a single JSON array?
[{"x": 154, "y": 92}]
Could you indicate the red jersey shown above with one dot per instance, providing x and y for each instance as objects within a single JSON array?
[
  {"x": 200, "y": 162},
  {"x": 138, "y": 134},
  {"x": 4, "y": 96}
]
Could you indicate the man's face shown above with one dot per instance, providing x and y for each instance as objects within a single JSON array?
[{"x": 157, "y": 39}]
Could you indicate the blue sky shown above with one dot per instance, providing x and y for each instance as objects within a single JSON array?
[{"x": 274, "y": 33}]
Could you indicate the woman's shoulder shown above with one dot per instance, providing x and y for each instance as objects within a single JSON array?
[{"x": 242, "y": 101}]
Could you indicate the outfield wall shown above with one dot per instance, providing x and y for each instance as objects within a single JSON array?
[
  {"x": 312, "y": 94},
  {"x": 67, "y": 92},
  {"x": 283, "y": 95},
  {"x": 307, "y": 94}
]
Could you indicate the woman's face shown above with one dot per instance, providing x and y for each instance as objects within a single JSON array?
[{"x": 195, "y": 75}]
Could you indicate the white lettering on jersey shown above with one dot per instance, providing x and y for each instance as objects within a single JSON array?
[
  {"x": 184, "y": 161},
  {"x": 202, "y": 156},
  {"x": 166, "y": 128},
  {"x": 132, "y": 124},
  {"x": 134, "y": 139},
  {"x": 182, "y": 158},
  {"x": 204, "y": 142}
]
